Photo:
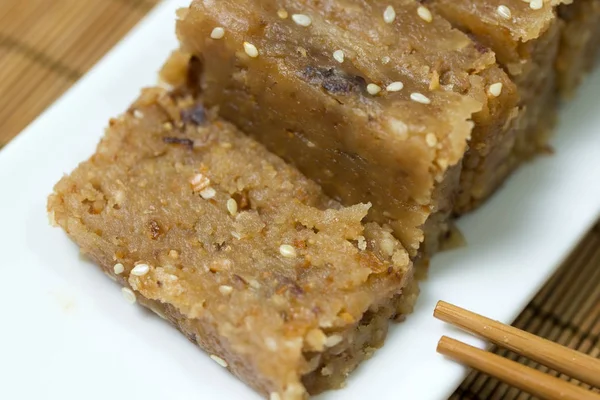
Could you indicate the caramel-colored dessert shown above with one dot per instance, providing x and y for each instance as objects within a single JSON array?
[
  {"x": 526, "y": 36},
  {"x": 280, "y": 284},
  {"x": 373, "y": 102},
  {"x": 580, "y": 42}
]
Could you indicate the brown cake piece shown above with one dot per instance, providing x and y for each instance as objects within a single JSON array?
[
  {"x": 280, "y": 284},
  {"x": 580, "y": 43},
  {"x": 525, "y": 35},
  {"x": 373, "y": 102}
]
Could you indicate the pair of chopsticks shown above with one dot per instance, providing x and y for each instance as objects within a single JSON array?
[{"x": 562, "y": 359}]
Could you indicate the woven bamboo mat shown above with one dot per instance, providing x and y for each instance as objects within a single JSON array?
[{"x": 46, "y": 45}]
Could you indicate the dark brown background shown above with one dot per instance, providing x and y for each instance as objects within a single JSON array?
[{"x": 47, "y": 45}]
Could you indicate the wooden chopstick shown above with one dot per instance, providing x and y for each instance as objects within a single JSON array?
[
  {"x": 528, "y": 379},
  {"x": 570, "y": 362}
]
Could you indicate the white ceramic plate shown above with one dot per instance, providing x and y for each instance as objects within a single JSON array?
[{"x": 67, "y": 333}]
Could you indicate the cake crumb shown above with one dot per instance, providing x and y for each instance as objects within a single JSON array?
[{"x": 362, "y": 243}]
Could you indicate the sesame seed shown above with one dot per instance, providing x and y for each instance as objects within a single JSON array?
[
  {"x": 389, "y": 15},
  {"x": 225, "y": 290},
  {"x": 254, "y": 284},
  {"x": 236, "y": 235},
  {"x": 420, "y": 98},
  {"x": 208, "y": 193},
  {"x": 282, "y": 14},
  {"x": 504, "y": 12},
  {"x": 333, "y": 340},
  {"x": 199, "y": 182},
  {"x": 271, "y": 343},
  {"x": 536, "y": 4},
  {"x": 338, "y": 56},
  {"x": 128, "y": 295},
  {"x": 232, "y": 206},
  {"x": 140, "y": 270},
  {"x": 217, "y": 33},
  {"x": 301, "y": 19},
  {"x": 373, "y": 89},
  {"x": 385, "y": 59},
  {"x": 138, "y": 114},
  {"x": 287, "y": 251},
  {"x": 274, "y": 396},
  {"x": 219, "y": 361},
  {"x": 425, "y": 14},
  {"x": 495, "y": 89},
  {"x": 250, "y": 49},
  {"x": 118, "y": 268},
  {"x": 395, "y": 87},
  {"x": 431, "y": 140},
  {"x": 173, "y": 254}
]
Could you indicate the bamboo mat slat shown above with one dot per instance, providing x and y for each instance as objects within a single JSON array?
[{"x": 47, "y": 45}]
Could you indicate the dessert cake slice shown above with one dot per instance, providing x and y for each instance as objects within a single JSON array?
[
  {"x": 538, "y": 49},
  {"x": 373, "y": 102},
  {"x": 280, "y": 284},
  {"x": 580, "y": 42}
]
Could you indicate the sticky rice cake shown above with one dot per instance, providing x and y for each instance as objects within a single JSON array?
[
  {"x": 374, "y": 103},
  {"x": 280, "y": 284}
]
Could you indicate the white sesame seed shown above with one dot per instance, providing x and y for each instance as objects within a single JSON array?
[
  {"x": 217, "y": 33},
  {"x": 271, "y": 344},
  {"x": 395, "y": 87},
  {"x": 236, "y": 235},
  {"x": 138, "y": 114},
  {"x": 302, "y": 19},
  {"x": 250, "y": 49},
  {"x": 128, "y": 294},
  {"x": 282, "y": 14},
  {"x": 431, "y": 140},
  {"x": 389, "y": 15},
  {"x": 254, "y": 284},
  {"x": 420, "y": 98},
  {"x": 173, "y": 254},
  {"x": 274, "y": 396},
  {"x": 225, "y": 290},
  {"x": 338, "y": 56},
  {"x": 140, "y": 270},
  {"x": 373, "y": 89},
  {"x": 495, "y": 89},
  {"x": 118, "y": 268},
  {"x": 208, "y": 193},
  {"x": 536, "y": 4},
  {"x": 199, "y": 182},
  {"x": 504, "y": 12},
  {"x": 232, "y": 206},
  {"x": 425, "y": 14},
  {"x": 385, "y": 59},
  {"x": 333, "y": 340},
  {"x": 219, "y": 361},
  {"x": 287, "y": 251}
]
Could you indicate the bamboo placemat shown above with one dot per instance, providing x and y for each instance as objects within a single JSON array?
[{"x": 47, "y": 45}]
